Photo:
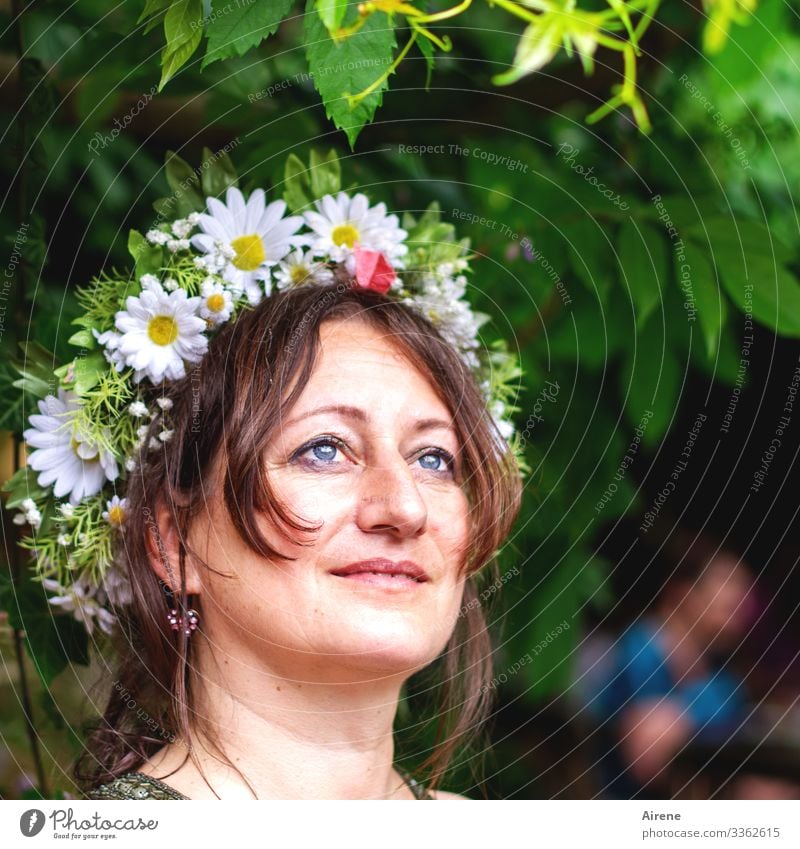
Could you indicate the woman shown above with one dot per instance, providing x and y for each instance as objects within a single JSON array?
[{"x": 331, "y": 486}]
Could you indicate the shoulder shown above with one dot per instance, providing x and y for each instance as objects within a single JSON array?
[
  {"x": 134, "y": 785},
  {"x": 446, "y": 796}
]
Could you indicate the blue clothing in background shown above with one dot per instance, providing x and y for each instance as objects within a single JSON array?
[
  {"x": 635, "y": 669},
  {"x": 714, "y": 701}
]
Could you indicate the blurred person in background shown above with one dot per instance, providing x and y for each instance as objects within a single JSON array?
[{"x": 666, "y": 680}]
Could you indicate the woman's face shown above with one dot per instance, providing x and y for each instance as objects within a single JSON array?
[{"x": 366, "y": 453}]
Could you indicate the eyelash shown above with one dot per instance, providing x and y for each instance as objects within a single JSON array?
[{"x": 337, "y": 443}]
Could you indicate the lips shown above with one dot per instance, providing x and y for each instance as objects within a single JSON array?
[{"x": 384, "y": 569}]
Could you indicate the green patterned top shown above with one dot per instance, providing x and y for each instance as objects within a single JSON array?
[{"x": 137, "y": 785}]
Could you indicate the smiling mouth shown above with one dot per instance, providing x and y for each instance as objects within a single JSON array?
[{"x": 383, "y": 572}]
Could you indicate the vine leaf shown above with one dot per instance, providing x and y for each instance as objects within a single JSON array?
[
  {"x": 349, "y": 67},
  {"x": 183, "y": 29},
  {"x": 537, "y": 46},
  {"x": 643, "y": 259},
  {"x": 235, "y": 28},
  {"x": 426, "y": 49},
  {"x": 650, "y": 379},
  {"x": 765, "y": 289},
  {"x": 331, "y": 13},
  {"x": 712, "y": 308}
]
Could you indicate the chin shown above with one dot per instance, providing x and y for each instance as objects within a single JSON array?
[{"x": 390, "y": 647}]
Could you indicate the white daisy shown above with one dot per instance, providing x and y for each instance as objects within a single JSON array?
[
  {"x": 250, "y": 238},
  {"x": 80, "y": 599},
  {"x": 216, "y": 302},
  {"x": 115, "y": 511},
  {"x": 117, "y": 586},
  {"x": 300, "y": 268},
  {"x": 341, "y": 223},
  {"x": 65, "y": 456},
  {"x": 158, "y": 331},
  {"x": 164, "y": 403},
  {"x": 109, "y": 339}
]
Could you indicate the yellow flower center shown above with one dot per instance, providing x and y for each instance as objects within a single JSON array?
[
  {"x": 299, "y": 274},
  {"x": 345, "y": 234},
  {"x": 249, "y": 252},
  {"x": 215, "y": 302},
  {"x": 162, "y": 329},
  {"x": 116, "y": 515}
]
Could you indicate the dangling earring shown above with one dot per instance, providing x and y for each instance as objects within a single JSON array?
[
  {"x": 187, "y": 623},
  {"x": 177, "y": 621}
]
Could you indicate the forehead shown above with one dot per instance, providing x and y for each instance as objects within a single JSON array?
[{"x": 361, "y": 365}]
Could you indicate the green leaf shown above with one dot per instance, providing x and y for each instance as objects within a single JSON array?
[
  {"x": 764, "y": 289},
  {"x": 21, "y": 485},
  {"x": 726, "y": 367},
  {"x": 712, "y": 308},
  {"x": 52, "y": 639},
  {"x": 331, "y": 13},
  {"x": 35, "y": 369},
  {"x": 236, "y": 26},
  {"x": 183, "y": 29},
  {"x": 587, "y": 335},
  {"x": 83, "y": 339},
  {"x": 739, "y": 239},
  {"x": 325, "y": 173},
  {"x": 550, "y": 636},
  {"x": 650, "y": 382},
  {"x": 217, "y": 173},
  {"x": 643, "y": 261},
  {"x": 153, "y": 7},
  {"x": 539, "y": 43},
  {"x": 426, "y": 49},
  {"x": 88, "y": 370},
  {"x": 147, "y": 257},
  {"x": 296, "y": 184},
  {"x": 350, "y": 67},
  {"x": 589, "y": 249},
  {"x": 186, "y": 194}
]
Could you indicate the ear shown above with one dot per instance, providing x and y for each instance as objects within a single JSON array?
[{"x": 162, "y": 525}]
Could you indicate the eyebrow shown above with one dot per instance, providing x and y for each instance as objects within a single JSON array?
[{"x": 360, "y": 415}]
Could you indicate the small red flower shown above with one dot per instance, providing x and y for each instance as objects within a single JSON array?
[{"x": 373, "y": 270}]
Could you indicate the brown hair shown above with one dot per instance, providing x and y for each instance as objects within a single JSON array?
[{"x": 229, "y": 406}]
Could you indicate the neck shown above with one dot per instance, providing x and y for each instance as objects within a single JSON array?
[{"x": 289, "y": 736}]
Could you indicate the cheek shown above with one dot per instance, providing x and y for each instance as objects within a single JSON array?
[{"x": 448, "y": 521}]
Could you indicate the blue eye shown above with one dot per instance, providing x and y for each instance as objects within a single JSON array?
[
  {"x": 440, "y": 458},
  {"x": 322, "y": 450}
]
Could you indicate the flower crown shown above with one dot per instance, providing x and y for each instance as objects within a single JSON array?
[{"x": 193, "y": 274}]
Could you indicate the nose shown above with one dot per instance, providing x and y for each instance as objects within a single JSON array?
[{"x": 390, "y": 501}]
